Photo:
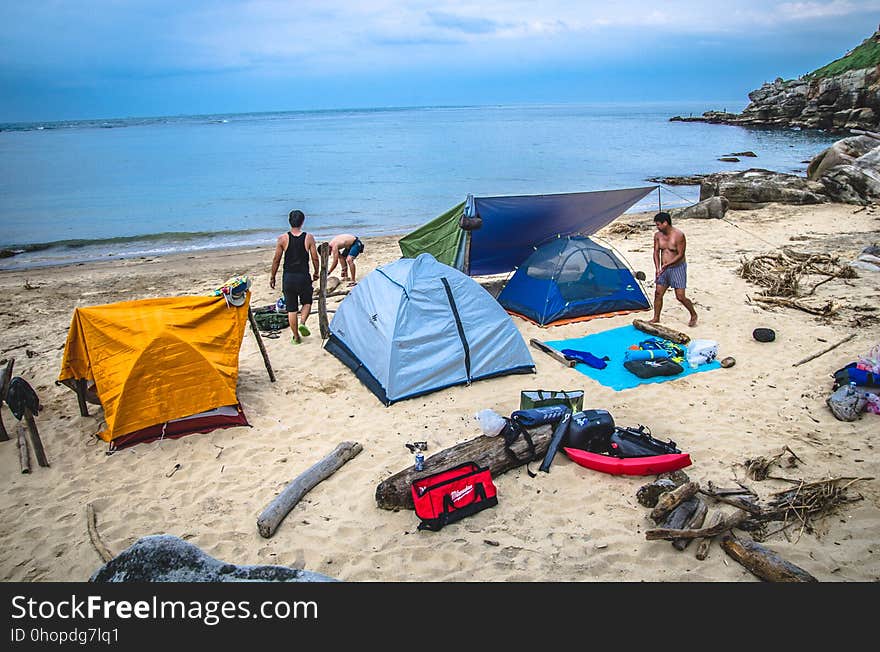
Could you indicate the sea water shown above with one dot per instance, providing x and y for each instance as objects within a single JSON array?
[{"x": 143, "y": 187}]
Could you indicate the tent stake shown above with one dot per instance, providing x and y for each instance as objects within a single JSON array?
[{"x": 256, "y": 330}]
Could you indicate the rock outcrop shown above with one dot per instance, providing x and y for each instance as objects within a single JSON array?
[
  {"x": 755, "y": 188},
  {"x": 848, "y": 172},
  {"x": 839, "y": 103},
  {"x": 166, "y": 558}
]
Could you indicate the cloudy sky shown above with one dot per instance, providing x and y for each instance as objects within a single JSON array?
[{"x": 116, "y": 58}]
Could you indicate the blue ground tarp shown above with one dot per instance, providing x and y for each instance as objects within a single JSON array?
[{"x": 614, "y": 344}]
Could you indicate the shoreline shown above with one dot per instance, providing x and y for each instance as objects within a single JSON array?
[{"x": 570, "y": 525}]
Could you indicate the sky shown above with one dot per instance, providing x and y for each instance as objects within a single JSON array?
[{"x": 92, "y": 59}]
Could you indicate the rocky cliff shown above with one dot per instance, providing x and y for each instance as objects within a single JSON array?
[{"x": 841, "y": 97}]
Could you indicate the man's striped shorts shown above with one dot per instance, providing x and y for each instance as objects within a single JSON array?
[{"x": 674, "y": 277}]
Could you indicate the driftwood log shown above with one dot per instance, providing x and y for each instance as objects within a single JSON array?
[
  {"x": 679, "y": 516},
  {"x": 553, "y": 353},
  {"x": 672, "y": 499},
  {"x": 256, "y": 330},
  {"x": 23, "y": 456},
  {"x": 763, "y": 562},
  {"x": 662, "y": 331},
  {"x": 279, "y": 508},
  {"x": 727, "y": 523},
  {"x": 706, "y": 542},
  {"x": 395, "y": 491},
  {"x": 695, "y": 521},
  {"x": 106, "y": 555}
]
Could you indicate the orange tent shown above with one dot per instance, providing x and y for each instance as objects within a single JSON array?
[{"x": 156, "y": 361}]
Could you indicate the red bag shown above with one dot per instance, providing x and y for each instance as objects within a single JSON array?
[{"x": 450, "y": 495}]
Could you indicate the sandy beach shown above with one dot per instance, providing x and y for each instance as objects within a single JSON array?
[{"x": 570, "y": 525}]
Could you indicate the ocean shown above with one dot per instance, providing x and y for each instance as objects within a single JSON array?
[{"x": 90, "y": 190}]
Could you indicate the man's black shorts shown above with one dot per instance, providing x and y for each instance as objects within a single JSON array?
[{"x": 297, "y": 288}]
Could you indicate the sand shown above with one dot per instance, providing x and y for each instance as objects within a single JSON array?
[{"x": 570, "y": 525}]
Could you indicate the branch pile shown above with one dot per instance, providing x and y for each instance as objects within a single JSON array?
[
  {"x": 801, "y": 505},
  {"x": 679, "y": 510},
  {"x": 781, "y": 274}
]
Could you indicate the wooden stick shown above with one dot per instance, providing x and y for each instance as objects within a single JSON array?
[
  {"x": 279, "y": 508},
  {"x": 106, "y": 555},
  {"x": 36, "y": 442},
  {"x": 553, "y": 353},
  {"x": 662, "y": 331},
  {"x": 4, "y": 387},
  {"x": 763, "y": 562},
  {"x": 706, "y": 542},
  {"x": 728, "y": 523},
  {"x": 824, "y": 351},
  {"x": 256, "y": 330},
  {"x": 80, "y": 384},
  {"x": 23, "y": 456},
  {"x": 323, "y": 323}
]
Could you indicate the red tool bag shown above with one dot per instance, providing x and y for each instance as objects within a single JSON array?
[{"x": 450, "y": 495}]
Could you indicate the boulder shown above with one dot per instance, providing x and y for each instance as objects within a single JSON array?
[
  {"x": 712, "y": 208},
  {"x": 843, "y": 152},
  {"x": 166, "y": 558},
  {"x": 755, "y": 188}
]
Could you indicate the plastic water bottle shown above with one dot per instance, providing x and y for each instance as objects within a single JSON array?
[
  {"x": 280, "y": 305},
  {"x": 420, "y": 461}
]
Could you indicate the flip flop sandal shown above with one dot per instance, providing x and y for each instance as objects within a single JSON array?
[
  {"x": 273, "y": 335},
  {"x": 303, "y": 330}
]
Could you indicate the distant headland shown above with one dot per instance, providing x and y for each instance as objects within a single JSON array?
[{"x": 842, "y": 96}]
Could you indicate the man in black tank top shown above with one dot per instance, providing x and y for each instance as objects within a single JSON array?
[{"x": 296, "y": 247}]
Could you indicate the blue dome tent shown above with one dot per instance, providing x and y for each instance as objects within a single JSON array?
[
  {"x": 416, "y": 326},
  {"x": 571, "y": 279}
]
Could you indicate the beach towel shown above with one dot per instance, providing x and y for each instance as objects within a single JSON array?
[{"x": 614, "y": 343}]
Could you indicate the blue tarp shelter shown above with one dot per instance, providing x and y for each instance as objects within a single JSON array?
[
  {"x": 512, "y": 226},
  {"x": 415, "y": 326},
  {"x": 572, "y": 279}
]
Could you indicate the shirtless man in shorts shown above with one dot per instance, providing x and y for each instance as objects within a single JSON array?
[
  {"x": 670, "y": 266},
  {"x": 346, "y": 247}
]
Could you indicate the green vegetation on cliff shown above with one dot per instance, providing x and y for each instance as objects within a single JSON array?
[{"x": 865, "y": 55}]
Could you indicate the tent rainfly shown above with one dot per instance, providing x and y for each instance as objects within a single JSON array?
[
  {"x": 160, "y": 367},
  {"x": 416, "y": 326},
  {"x": 493, "y": 235}
]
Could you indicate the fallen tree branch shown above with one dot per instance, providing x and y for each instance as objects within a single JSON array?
[
  {"x": 280, "y": 507},
  {"x": 728, "y": 523},
  {"x": 823, "y": 311},
  {"x": 824, "y": 351}
]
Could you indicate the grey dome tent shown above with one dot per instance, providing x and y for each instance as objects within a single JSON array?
[
  {"x": 572, "y": 279},
  {"x": 416, "y": 326}
]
